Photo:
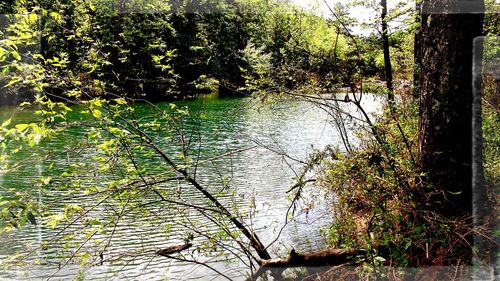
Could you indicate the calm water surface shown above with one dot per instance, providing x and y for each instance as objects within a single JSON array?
[{"x": 259, "y": 177}]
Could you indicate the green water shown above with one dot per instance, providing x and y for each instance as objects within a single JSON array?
[{"x": 260, "y": 177}]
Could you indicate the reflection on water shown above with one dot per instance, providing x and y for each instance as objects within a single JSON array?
[{"x": 259, "y": 176}]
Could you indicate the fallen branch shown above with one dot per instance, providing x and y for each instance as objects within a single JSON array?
[
  {"x": 173, "y": 249},
  {"x": 326, "y": 257},
  {"x": 319, "y": 258}
]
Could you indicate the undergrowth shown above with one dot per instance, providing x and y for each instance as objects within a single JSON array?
[{"x": 382, "y": 205}]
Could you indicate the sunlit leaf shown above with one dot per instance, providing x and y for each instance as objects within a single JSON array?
[
  {"x": 16, "y": 55},
  {"x": 6, "y": 123},
  {"x": 22, "y": 127}
]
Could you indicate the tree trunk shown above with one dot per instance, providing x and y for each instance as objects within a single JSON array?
[
  {"x": 387, "y": 58},
  {"x": 445, "y": 87},
  {"x": 416, "y": 50}
]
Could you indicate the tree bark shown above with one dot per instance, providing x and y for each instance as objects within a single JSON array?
[
  {"x": 445, "y": 90},
  {"x": 416, "y": 50},
  {"x": 323, "y": 257},
  {"x": 173, "y": 249},
  {"x": 387, "y": 58},
  {"x": 326, "y": 257}
]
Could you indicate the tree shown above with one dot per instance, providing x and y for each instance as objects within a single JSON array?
[
  {"x": 387, "y": 58},
  {"x": 445, "y": 81}
]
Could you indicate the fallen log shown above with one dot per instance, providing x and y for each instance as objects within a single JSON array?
[
  {"x": 326, "y": 257},
  {"x": 173, "y": 249},
  {"x": 319, "y": 258}
]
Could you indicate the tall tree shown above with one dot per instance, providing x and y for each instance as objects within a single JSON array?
[
  {"x": 387, "y": 58},
  {"x": 445, "y": 87},
  {"x": 416, "y": 50}
]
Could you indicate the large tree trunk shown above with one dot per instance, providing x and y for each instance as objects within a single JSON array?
[{"x": 445, "y": 86}]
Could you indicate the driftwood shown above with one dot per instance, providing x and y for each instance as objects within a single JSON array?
[
  {"x": 319, "y": 258},
  {"x": 173, "y": 249},
  {"x": 326, "y": 257}
]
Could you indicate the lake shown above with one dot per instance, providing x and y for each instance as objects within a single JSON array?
[{"x": 258, "y": 173}]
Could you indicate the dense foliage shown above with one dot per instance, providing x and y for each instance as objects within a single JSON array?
[{"x": 161, "y": 55}]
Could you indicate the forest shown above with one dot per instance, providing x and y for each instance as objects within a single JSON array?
[{"x": 249, "y": 140}]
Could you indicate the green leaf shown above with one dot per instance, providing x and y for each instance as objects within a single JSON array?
[
  {"x": 96, "y": 113},
  {"x": 57, "y": 17},
  {"x": 407, "y": 245},
  {"x": 6, "y": 123},
  {"x": 46, "y": 181},
  {"x": 121, "y": 101},
  {"x": 16, "y": 55},
  {"x": 13, "y": 81},
  {"x": 33, "y": 17},
  {"x": 22, "y": 127},
  {"x": 55, "y": 220}
]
